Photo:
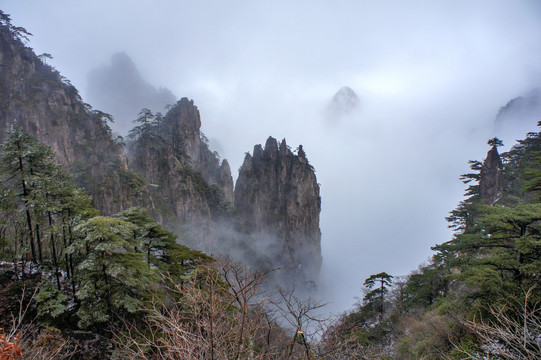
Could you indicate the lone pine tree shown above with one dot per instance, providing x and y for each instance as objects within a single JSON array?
[{"x": 376, "y": 298}]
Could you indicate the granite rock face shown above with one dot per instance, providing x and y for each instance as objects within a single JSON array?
[
  {"x": 183, "y": 123},
  {"x": 46, "y": 105},
  {"x": 277, "y": 195},
  {"x": 190, "y": 188}
]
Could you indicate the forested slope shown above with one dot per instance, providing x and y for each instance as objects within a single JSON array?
[{"x": 478, "y": 297}]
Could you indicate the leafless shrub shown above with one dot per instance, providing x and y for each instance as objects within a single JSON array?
[
  {"x": 221, "y": 314},
  {"x": 25, "y": 340},
  {"x": 339, "y": 341},
  {"x": 47, "y": 344},
  {"x": 302, "y": 315},
  {"x": 513, "y": 333}
]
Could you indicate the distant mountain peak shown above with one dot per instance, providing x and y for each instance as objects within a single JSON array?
[
  {"x": 519, "y": 116},
  {"x": 344, "y": 102},
  {"x": 120, "y": 89}
]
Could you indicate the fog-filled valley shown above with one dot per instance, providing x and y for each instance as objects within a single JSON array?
[{"x": 381, "y": 108}]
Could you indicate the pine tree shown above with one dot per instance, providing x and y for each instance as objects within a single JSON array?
[
  {"x": 376, "y": 298},
  {"x": 160, "y": 246},
  {"x": 29, "y": 171},
  {"x": 498, "y": 253},
  {"x": 114, "y": 278},
  {"x": 145, "y": 131},
  {"x": 423, "y": 288},
  {"x": 464, "y": 215},
  {"x": 34, "y": 186}
]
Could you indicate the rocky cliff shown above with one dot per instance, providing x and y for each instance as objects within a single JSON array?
[
  {"x": 169, "y": 168},
  {"x": 46, "y": 105},
  {"x": 190, "y": 188},
  {"x": 183, "y": 126},
  {"x": 277, "y": 195}
]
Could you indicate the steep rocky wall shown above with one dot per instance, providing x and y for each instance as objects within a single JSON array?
[
  {"x": 183, "y": 124},
  {"x": 190, "y": 188},
  {"x": 46, "y": 105},
  {"x": 180, "y": 180},
  {"x": 277, "y": 195}
]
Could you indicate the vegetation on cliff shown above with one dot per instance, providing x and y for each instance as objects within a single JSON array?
[
  {"x": 123, "y": 282},
  {"x": 165, "y": 166},
  {"x": 81, "y": 271},
  {"x": 45, "y": 104},
  {"x": 83, "y": 268},
  {"x": 478, "y": 297}
]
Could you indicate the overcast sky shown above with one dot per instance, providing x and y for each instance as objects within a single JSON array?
[{"x": 430, "y": 75}]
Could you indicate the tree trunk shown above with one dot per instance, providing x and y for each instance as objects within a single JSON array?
[
  {"x": 38, "y": 240},
  {"x": 27, "y": 211},
  {"x": 55, "y": 260}
]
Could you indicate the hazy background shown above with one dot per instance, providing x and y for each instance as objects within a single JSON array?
[{"x": 430, "y": 77}]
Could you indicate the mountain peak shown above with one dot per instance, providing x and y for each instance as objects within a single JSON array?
[
  {"x": 278, "y": 195},
  {"x": 120, "y": 89},
  {"x": 343, "y": 102}
]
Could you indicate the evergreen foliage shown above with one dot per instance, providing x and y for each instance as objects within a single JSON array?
[
  {"x": 379, "y": 285},
  {"x": 493, "y": 259},
  {"x": 113, "y": 276},
  {"x": 159, "y": 245},
  {"x": 99, "y": 269},
  {"x": 18, "y": 33},
  {"x": 495, "y": 142}
]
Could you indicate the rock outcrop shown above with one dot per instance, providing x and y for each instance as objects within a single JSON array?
[
  {"x": 277, "y": 195},
  {"x": 491, "y": 180},
  {"x": 184, "y": 123},
  {"x": 190, "y": 188}
]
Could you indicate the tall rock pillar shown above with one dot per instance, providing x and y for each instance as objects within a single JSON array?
[
  {"x": 491, "y": 182},
  {"x": 278, "y": 196}
]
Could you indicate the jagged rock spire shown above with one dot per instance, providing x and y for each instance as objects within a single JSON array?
[
  {"x": 278, "y": 195},
  {"x": 491, "y": 182}
]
